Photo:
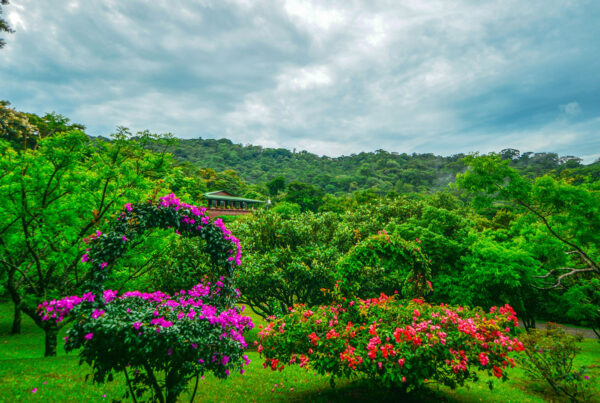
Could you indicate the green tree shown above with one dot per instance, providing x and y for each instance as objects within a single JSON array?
[
  {"x": 568, "y": 213},
  {"x": 286, "y": 209},
  {"x": 498, "y": 273},
  {"x": 54, "y": 196},
  {"x": 287, "y": 259},
  {"x": 16, "y": 128},
  {"x": 276, "y": 185},
  {"x": 307, "y": 196}
]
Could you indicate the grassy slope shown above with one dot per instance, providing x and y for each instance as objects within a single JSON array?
[{"x": 23, "y": 368}]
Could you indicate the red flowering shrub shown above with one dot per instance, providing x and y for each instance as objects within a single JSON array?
[{"x": 399, "y": 343}]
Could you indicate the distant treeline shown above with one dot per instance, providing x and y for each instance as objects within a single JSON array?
[{"x": 381, "y": 171}]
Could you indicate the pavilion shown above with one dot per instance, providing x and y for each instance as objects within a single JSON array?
[{"x": 221, "y": 202}]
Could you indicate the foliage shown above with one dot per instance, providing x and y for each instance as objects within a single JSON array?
[
  {"x": 4, "y": 27},
  {"x": 287, "y": 260},
  {"x": 385, "y": 263},
  {"x": 395, "y": 343},
  {"x": 24, "y": 130},
  {"x": 286, "y": 209},
  {"x": 168, "y": 213},
  {"x": 54, "y": 195},
  {"x": 380, "y": 171},
  {"x": 15, "y": 126},
  {"x": 184, "y": 261},
  {"x": 496, "y": 273},
  {"x": 307, "y": 196},
  {"x": 568, "y": 213},
  {"x": 580, "y": 304},
  {"x": 549, "y": 356},
  {"x": 152, "y": 333},
  {"x": 276, "y": 185}
]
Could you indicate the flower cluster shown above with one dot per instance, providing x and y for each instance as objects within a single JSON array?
[
  {"x": 398, "y": 342},
  {"x": 103, "y": 249},
  {"x": 171, "y": 201},
  {"x": 184, "y": 333},
  {"x": 58, "y": 309}
]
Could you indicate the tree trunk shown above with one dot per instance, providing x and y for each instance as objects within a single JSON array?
[
  {"x": 16, "y": 325},
  {"x": 51, "y": 342},
  {"x": 528, "y": 322},
  {"x": 172, "y": 380}
]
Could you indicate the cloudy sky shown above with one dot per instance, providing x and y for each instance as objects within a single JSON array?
[{"x": 330, "y": 77}]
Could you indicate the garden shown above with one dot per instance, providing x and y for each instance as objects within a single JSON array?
[{"x": 113, "y": 287}]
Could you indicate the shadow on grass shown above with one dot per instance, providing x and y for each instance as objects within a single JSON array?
[{"x": 362, "y": 391}]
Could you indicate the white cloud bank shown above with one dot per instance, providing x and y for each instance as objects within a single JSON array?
[{"x": 334, "y": 77}]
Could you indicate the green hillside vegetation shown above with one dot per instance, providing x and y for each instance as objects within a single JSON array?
[{"x": 380, "y": 171}]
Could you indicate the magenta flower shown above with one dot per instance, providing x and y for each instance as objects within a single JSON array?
[
  {"x": 85, "y": 258},
  {"x": 89, "y": 336},
  {"x": 137, "y": 325},
  {"x": 97, "y": 313},
  {"x": 103, "y": 265},
  {"x": 34, "y": 390}
]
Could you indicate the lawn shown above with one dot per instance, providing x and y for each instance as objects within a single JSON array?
[{"x": 24, "y": 369}]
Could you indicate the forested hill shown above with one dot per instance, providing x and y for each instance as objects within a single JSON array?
[{"x": 381, "y": 170}]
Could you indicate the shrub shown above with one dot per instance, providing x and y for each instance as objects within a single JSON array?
[
  {"x": 152, "y": 335},
  {"x": 549, "y": 356},
  {"x": 286, "y": 209},
  {"x": 149, "y": 335},
  {"x": 395, "y": 343}
]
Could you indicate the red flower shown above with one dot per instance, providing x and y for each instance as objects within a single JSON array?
[{"x": 313, "y": 338}]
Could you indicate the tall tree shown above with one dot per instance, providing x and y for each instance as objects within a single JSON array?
[
  {"x": 568, "y": 213},
  {"x": 55, "y": 195}
]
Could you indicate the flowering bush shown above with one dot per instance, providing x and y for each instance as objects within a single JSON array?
[
  {"x": 149, "y": 335},
  {"x": 398, "y": 343},
  {"x": 168, "y": 213},
  {"x": 152, "y": 335}
]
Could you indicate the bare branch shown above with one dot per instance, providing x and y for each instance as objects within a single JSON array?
[{"x": 558, "y": 284}]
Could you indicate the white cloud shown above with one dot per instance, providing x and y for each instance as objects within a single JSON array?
[
  {"x": 330, "y": 77},
  {"x": 304, "y": 78}
]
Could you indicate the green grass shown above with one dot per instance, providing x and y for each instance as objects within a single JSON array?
[{"x": 61, "y": 379}]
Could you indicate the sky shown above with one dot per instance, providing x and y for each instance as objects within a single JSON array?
[{"x": 330, "y": 77}]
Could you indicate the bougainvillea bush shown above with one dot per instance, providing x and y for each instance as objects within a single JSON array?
[
  {"x": 159, "y": 342},
  {"x": 398, "y": 343}
]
